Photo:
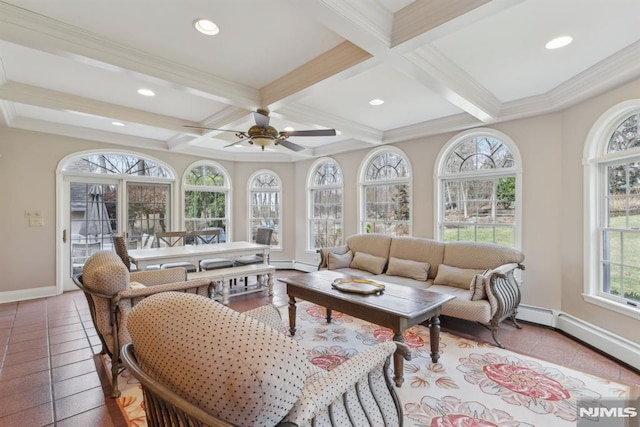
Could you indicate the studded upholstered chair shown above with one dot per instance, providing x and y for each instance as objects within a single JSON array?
[
  {"x": 232, "y": 369},
  {"x": 111, "y": 291}
]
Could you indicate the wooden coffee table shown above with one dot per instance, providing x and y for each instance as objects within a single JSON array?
[{"x": 398, "y": 307}]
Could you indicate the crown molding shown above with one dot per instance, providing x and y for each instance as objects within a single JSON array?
[
  {"x": 29, "y": 29},
  {"x": 438, "y": 126}
]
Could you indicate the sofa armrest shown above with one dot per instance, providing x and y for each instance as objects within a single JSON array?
[
  {"x": 323, "y": 394},
  {"x": 324, "y": 254},
  {"x": 503, "y": 291},
  {"x": 268, "y": 314},
  {"x": 197, "y": 286},
  {"x": 157, "y": 277}
]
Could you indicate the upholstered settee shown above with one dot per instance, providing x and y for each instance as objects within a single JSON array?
[
  {"x": 479, "y": 275},
  {"x": 203, "y": 363}
]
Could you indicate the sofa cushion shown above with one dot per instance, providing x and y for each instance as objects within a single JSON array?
[
  {"x": 418, "y": 249},
  {"x": 373, "y": 244},
  {"x": 478, "y": 285},
  {"x": 367, "y": 262},
  {"x": 407, "y": 268},
  {"x": 454, "y": 276},
  {"x": 479, "y": 255},
  {"x": 335, "y": 261}
]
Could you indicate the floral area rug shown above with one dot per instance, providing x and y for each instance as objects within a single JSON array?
[{"x": 474, "y": 384}]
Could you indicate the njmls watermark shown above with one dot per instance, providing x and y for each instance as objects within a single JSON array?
[{"x": 608, "y": 413}]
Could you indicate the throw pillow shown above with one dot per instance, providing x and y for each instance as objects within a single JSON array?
[
  {"x": 367, "y": 262},
  {"x": 478, "y": 285},
  {"x": 339, "y": 260},
  {"x": 454, "y": 276},
  {"x": 408, "y": 268}
]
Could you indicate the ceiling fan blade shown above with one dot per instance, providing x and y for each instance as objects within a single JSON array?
[
  {"x": 290, "y": 145},
  {"x": 314, "y": 132},
  {"x": 206, "y": 128},
  {"x": 262, "y": 120},
  {"x": 237, "y": 142}
]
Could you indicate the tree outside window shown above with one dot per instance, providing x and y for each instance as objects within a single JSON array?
[
  {"x": 386, "y": 192},
  {"x": 266, "y": 205},
  {"x": 477, "y": 185},
  {"x": 206, "y": 191},
  {"x": 325, "y": 210}
]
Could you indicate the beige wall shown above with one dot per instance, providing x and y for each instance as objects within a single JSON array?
[{"x": 551, "y": 148}]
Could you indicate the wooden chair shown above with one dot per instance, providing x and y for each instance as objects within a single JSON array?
[
  {"x": 263, "y": 237},
  {"x": 208, "y": 237},
  {"x": 120, "y": 246},
  {"x": 171, "y": 239}
]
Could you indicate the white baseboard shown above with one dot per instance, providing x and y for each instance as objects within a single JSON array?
[
  {"x": 612, "y": 344},
  {"x": 27, "y": 294}
]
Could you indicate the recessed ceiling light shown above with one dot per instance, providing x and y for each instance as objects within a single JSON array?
[
  {"x": 146, "y": 92},
  {"x": 376, "y": 102},
  {"x": 206, "y": 27},
  {"x": 559, "y": 42},
  {"x": 117, "y": 123}
]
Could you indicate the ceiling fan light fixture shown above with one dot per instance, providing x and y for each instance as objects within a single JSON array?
[{"x": 206, "y": 27}]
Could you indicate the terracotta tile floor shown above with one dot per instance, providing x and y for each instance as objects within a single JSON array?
[{"x": 50, "y": 376}]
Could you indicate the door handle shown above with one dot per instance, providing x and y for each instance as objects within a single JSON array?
[{"x": 64, "y": 236}]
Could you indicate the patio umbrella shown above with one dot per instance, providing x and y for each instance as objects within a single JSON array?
[{"x": 96, "y": 218}]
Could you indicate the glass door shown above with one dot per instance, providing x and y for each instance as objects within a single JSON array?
[
  {"x": 91, "y": 221},
  {"x": 148, "y": 212}
]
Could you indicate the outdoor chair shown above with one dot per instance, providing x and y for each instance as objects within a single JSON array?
[
  {"x": 202, "y": 363},
  {"x": 170, "y": 239},
  {"x": 111, "y": 292}
]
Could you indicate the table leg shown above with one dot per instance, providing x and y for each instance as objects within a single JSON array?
[
  {"x": 225, "y": 291},
  {"x": 398, "y": 361},
  {"x": 434, "y": 338},
  {"x": 292, "y": 316},
  {"x": 270, "y": 283},
  {"x": 328, "y": 317}
]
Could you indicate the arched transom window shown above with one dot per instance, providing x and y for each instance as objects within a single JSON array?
[
  {"x": 265, "y": 211},
  {"x": 386, "y": 193},
  {"x": 477, "y": 198},
  {"x": 325, "y": 205},
  {"x": 206, "y": 198}
]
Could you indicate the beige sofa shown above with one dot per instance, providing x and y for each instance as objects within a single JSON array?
[{"x": 479, "y": 275}]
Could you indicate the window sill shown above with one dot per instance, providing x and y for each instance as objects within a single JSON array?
[{"x": 618, "y": 307}]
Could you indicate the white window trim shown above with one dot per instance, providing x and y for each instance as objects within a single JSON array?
[
  {"x": 227, "y": 187},
  {"x": 310, "y": 186},
  {"x": 362, "y": 182},
  {"x": 249, "y": 217},
  {"x": 439, "y": 174},
  {"x": 595, "y": 154}
]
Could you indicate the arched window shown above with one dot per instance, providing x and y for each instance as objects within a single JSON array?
[
  {"x": 385, "y": 193},
  {"x": 206, "y": 198},
  {"x": 477, "y": 194},
  {"x": 265, "y": 205},
  {"x": 612, "y": 211},
  {"x": 324, "y": 185}
]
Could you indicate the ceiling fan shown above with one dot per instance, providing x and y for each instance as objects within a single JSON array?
[{"x": 262, "y": 134}]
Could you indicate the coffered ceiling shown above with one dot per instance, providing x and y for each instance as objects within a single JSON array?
[{"x": 73, "y": 67}]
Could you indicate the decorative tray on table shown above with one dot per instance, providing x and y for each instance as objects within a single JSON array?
[{"x": 358, "y": 286}]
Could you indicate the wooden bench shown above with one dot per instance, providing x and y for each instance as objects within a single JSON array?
[{"x": 225, "y": 275}]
